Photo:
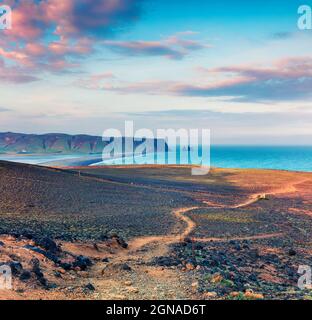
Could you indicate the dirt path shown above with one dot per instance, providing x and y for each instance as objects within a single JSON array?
[
  {"x": 254, "y": 198},
  {"x": 138, "y": 243},
  {"x": 148, "y": 281}
]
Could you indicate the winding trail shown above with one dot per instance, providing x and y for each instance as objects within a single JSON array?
[
  {"x": 152, "y": 281},
  {"x": 161, "y": 243},
  {"x": 141, "y": 242},
  {"x": 147, "y": 247},
  {"x": 149, "y": 280},
  {"x": 180, "y": 214}
]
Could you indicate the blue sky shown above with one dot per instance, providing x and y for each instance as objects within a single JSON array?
[{"x": 83, "y": 66}]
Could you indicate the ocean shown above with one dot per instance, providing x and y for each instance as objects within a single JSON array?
[{"x": 294, "y": 158}]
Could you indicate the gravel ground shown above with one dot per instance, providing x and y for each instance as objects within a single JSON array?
[
  {"x": 235, "y": 251},
  {"x": 64, "y": 205}
]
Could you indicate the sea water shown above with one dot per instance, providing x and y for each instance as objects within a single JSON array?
[{"x": 295, "y": 158}]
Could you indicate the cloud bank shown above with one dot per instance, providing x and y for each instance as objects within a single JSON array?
[
  {"x": 51, "y": 35},
  {"x": 284, "y": 80}
]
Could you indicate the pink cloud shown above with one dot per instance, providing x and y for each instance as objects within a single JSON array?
[
  {"x": 13, "y": 55},
  {"x": 28, "y": 18},
  {"x": 70, "y": 17},
  {"x": 75, "y": 18},
  {"x": 75, "y": 24},
  {"x": 73, "y": 27},
  {"x": 64, "y": 47},
  {"x": 35, "y": 49}
]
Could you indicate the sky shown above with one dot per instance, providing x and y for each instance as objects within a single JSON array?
[{"x": 240, "y": 68}]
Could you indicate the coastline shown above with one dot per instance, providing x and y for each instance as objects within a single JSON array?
[{"x": 294, "y": 159}]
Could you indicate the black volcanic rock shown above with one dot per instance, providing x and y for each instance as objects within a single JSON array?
[{"x": 82, "y": 262}]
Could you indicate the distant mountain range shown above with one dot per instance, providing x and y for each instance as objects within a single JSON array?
[{"x": 21, "y": 143}]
